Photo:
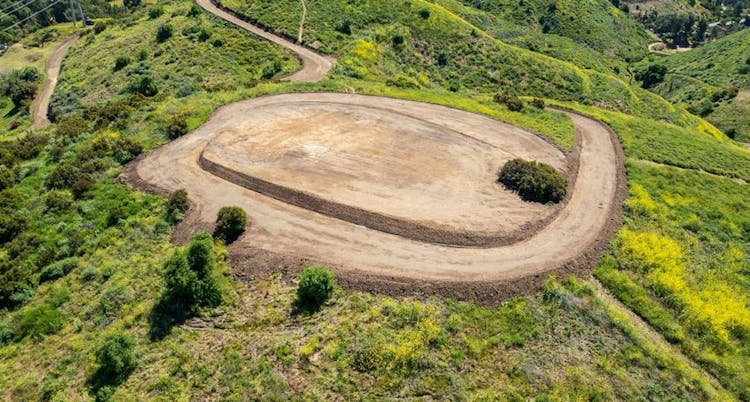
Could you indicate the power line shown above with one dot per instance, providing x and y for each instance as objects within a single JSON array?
[
  {"x": 15, "y": 7},
  {"x": 31, "y": 16}
]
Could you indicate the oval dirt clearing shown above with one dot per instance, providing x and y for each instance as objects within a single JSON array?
[{"x": 327, "y": 158}]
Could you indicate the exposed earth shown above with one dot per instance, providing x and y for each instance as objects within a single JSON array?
[
  {"x": 40, "y": 106},
  {"x": 409, "y": 161}
]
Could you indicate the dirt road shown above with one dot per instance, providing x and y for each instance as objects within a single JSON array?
[
  {"x": 572, "y": 241},
  {"x": 314, "y": 65},
  {"x": 40, "y": 106}
]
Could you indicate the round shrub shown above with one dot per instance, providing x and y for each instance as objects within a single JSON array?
[
  {"x": 58, "y": 200},
  {"x": 512, "y": 102},
  {"x": 39, "y": 321},
  {"x": 120, "y": 62},
  {"x": 534, "y": 181},
  {"x": 178, "y": 202},
  {"x": 176, "y": 127},
  {"x": 538, "y": 103},
  {"x": 230, "y": 223},
  {"x": 164, "y": 32},
  {"x": 7, "y": 177},
  {"x": 315, "y": 285},
  {"x": 116, "y": 358}
]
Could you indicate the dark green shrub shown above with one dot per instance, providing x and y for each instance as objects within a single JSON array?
[
  {"x": 534, "y": 181},
  {"x": 344, "y": 27},
  {"x": 177, "y": 204},
  {"x": 204, "y": 35},
  {"x": 398, "y": 39},
  {"x": 39, "y": 321},
  {"x": 218, "y": 42},
  {"x": 99, "y": 27},
  {"x": 11, "y": 225},
  {"x": 6, "y": 334},
  {"x": 7, "y": 177},
  {"x": 424, "y": 13},
  {"x": 189, "y": 277},
  {"x": 131, "y": 3},
  {"x": 195, "y": 11},
  {"x": 538, "y": 103},
  {"x": 230, "y": 223},
  {"x": 315, "y": 285},
  {"x": 116, "y": 358},
  {"x": 143, "y": 85},
  {"x": 71, "y": 127},
  {"x": 58, "y": 200},
  {"x": 63, "y": 176},
  {"x": 22, "y": 93},
  {"x": 58, "y": 269},
  {"x": 512, "y": 102},
  {"x": 176, "y": 127},
  {"x": 120, "y": 62},
  {"x": 82, "y": 186},
  {"x": 125, "y": 150},
  {"x": 653, "y": 75},
  {"x": 154, "y": 13},
  {"x": 164, "y": 32}
]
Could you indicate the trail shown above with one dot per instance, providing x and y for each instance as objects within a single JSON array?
[
  {"x": 40, "y": 106},
  {"x": 718, "y": 176},
  {"x": 654, "y": 337},
  {"x": 574, "y": 240},
  {"x": 314, "y": 65}
]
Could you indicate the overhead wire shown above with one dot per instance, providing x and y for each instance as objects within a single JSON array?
[{"x": 32, "y": 15}]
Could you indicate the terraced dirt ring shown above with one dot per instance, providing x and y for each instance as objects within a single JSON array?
[{"x": 304, "y": 165}]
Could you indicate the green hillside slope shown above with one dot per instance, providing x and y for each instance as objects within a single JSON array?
[
  {"x": 82, "y": 259},
  {"x": 714, "y": 81}
]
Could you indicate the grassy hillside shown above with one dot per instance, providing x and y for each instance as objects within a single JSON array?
[
  {"x": 713, "y": 80},
  {"x": 87, "y": 258}
]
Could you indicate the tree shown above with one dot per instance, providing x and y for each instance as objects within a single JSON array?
[
  {"x": 315, "y": 285},
  {"x": 230, "y": 223},
  {"x": 653, "y": 75},
  {"x": 177, "y": 204},
  {"x": 117, "y": 360}
]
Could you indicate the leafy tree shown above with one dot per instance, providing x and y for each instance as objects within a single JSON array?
[
  {"x": 315, "y": 285},
  {"x": 230, "y": 223},
  {"x": 653, "y": 75},
  {"x": 534, "y": 181},
  {"x": 117, "y": 360}
]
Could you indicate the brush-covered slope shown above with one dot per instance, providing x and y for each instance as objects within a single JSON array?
[{"x": 713, "y": 80}]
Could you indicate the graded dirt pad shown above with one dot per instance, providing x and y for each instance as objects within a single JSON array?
[{"x": 281, "y": 231}]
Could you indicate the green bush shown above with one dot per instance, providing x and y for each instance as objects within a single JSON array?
[
  {"x": 230, "y": 223},
  {"x": 189, "y": 277},
  {"x": 424, "y": 13},
  {"x": 143, "y": 85},
  {"x": 99, "y": 27},
  {"x": 176, "y": 127},
  {"x": 315, "y": 285},
  {"x": 116, "y": 358},
  {"x": 156, "y": 12},
  {"x": 534, "y": 181},
  {"x": 39, "y": 321},
  {"x": 7, "y": 177},
  {"x": 538, "y": 103},
  {"x": 164, "y": 32},
  {"x": 177, "y": 204},
  {"x": 58, "y": 269},
  {"x": 120, "y": 62},
  {"x": 512, "y": 102},
  {"x": 71, "y": 127},
  {"x": 58, "y": 200}
]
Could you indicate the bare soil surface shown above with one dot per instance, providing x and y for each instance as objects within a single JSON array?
[
  {"x": 314, "y": 65},
  {"x": 283, "y": 236},
  {"x": 40, "y": 106}
]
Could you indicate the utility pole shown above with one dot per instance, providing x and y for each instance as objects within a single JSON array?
[
  {"x": 80, "y": 10},
  {"x": 72, "y": 12}
]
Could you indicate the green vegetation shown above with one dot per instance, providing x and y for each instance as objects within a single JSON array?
[
  {"x": 230, "y": 223},
  {"x": 533, "y": 181},
  {"x": 87, "y": 312},
  {"x": 315, "y": 285},
  {"x": 713, "y": 81}
]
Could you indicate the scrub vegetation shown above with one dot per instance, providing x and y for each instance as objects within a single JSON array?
[{"x": 95, "y": 302}]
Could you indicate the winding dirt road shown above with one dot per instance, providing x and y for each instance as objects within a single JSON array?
[
  {"x": 40, "y": 106},
  {"x": 571, "y": 242},
  {"x": 314, "y": 65}
]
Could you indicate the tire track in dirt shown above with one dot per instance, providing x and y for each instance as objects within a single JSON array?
[
  {"x": 40, "y": 106},
  {"x": 314, "y": 65}
]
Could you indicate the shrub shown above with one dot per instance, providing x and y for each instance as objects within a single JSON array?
[
  {"x": 344, "y": 27},
  {"x": 176, "y": 127},
  {"x": 189, "y": 277},
  {"x": 512, "y": 102},
  {"x": 58, "y": 200},
  {"x": 538, "y": 103},
  {"x": 204, "y": 35},
  {"x": 39, "y": 321},
  {"x": 143, "y": 85},
  {"x": 63, "y": 176},
  {"x": 99, "y": 27},
  {"x": 218, "y": 42},
  {"x": 58, "y": 269},
  {"x": 315, "y": 285},
  {"x": 7, "y": 177},
  {"x": 125, "y": 150},
  {"x": 131, "y": 3},
  {"x": 195, "y": 11},
  {"x": 424, "y": 13},
  {"x": 154, "y": 13},
  {"x": 120, "y": 62},
  {"x": 164, "y": 32},
  {"x": 533, "y": 181},
  {"x": 82, "y": 186},
  {"x": 22, "y": 93},
  {"x": 230, "y": 223},
  {"x": 653, "y": 75},
  {"x": 71, "y": 127},
  {"x": 177, "y": 203},
  {"x": 398, "y": 39},
  {"x": 116, "y": 358}
]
